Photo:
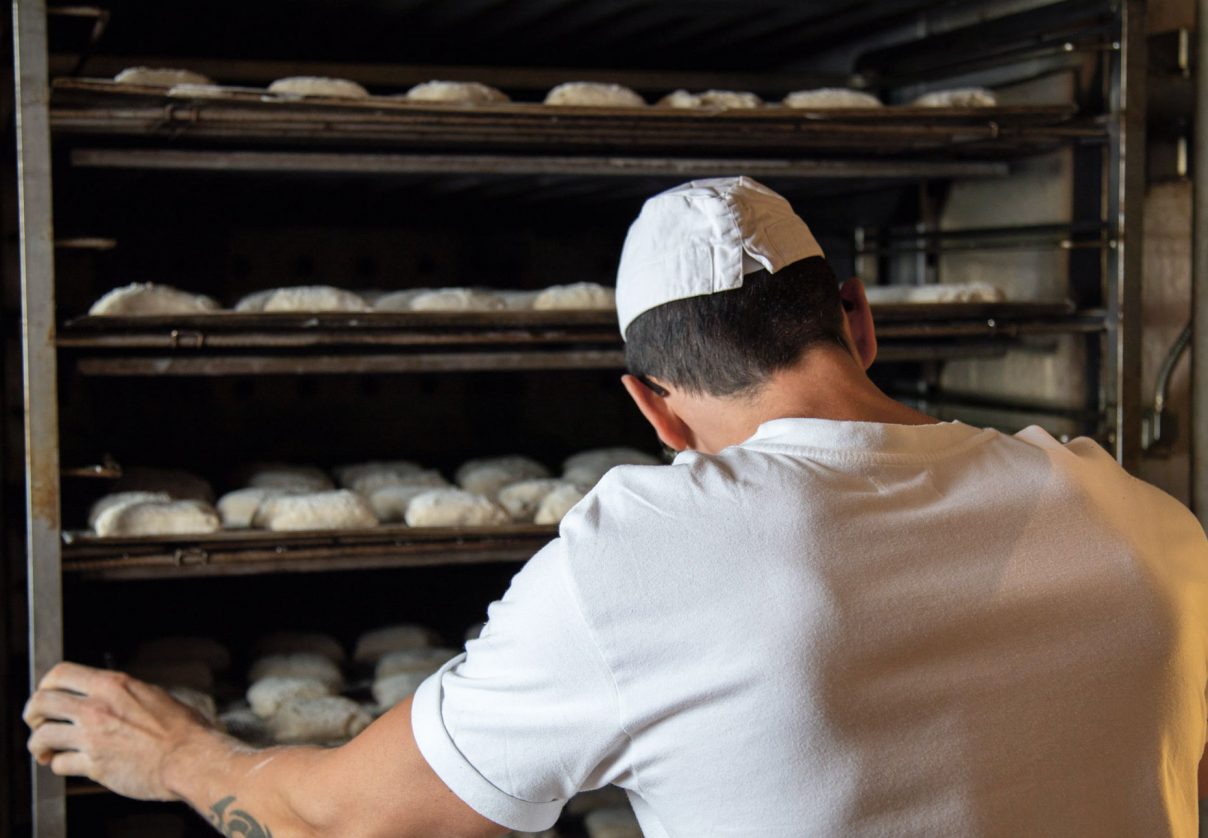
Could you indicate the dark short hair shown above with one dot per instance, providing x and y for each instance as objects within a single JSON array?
[{"x": 731, "y": 342}]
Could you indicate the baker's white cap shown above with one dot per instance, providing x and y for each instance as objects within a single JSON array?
[{"x": 704, "y": 237}]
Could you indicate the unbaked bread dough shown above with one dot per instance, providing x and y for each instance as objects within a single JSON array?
[
  {"x": 336, "y": 510},
  {"x": 457, "y": 299},
  {"x": 290, "y": 642},
  {"x": 454, "y": 508},
  {"x": 367, "y": 478},
  {"x": 180, "y": 484},
  {"x": 159, "y": 76},
  {"x": 174, "y": 517},
  {"x": 325, "y": 720},
  {"x": 328, "y": 88},
  {"x": 389, "y": 503},
  {"x": 518, "y": 300},
  {"x": 488, "y": 475},
  {"x": 245, "y": 725},
  {"x": 457, "y": 92},
  {"x": 301, "y": 299},
  {"x": 612, "y": 823},
  {"x": 711, "y": 99},
  {"x": 580, "y": 295},
  {"x": 831, "y": 97},
  {"x": 237, "y": 509},
  {"x": 200, "y": 703},
  {"x": 288, "y": 478},
  {"x": 426, "y": 660},
  {"x": 309, "y": 666},
  {"x": 594, "y": 94},
  {"x": 180, "y": 649},
  {"x": 139, "y": 298},
  {"x": 388, "y": 692},
  {"x": 371, "y": 645},
  {"x": 962, "y": 292},
  {"x": 587, "y": 467},
  {"x": 398, "y": 300},
  {"x": 557, "y": 503},
  {"x": 960, "y": 97},
  {"x": 121, "y": 499},
  {"x": 523, "y": 499},
  {"x": 268, "y": 694}
]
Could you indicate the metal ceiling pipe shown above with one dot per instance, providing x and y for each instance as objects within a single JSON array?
[{"x": 1199, "y": 278}]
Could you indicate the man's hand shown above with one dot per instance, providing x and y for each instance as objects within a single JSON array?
[{"x": 110, "y": 728}]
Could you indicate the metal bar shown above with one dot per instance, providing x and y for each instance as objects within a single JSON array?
[
  {"x": 1126, "y": 203},
  {"x": 376, "y": 164},
  {"x": 1199, "y": 285},
  {"x": 45, "y": 601}
]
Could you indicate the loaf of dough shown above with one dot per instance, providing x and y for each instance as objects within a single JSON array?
[
  {"x": 388, "y": 692},
  {"x": 237, "y": 509},
  {"x": 301, "y": 299},
  {"x": 831, "y": 97},
  {"x": 488, "y": 475},
  {"x": 371, "y": 645},
  {"x": 960, "y": 97},
  {"x": 174, "y": 517},
  {"x": 121, "y": 499},
  {"x": 594, "y": 94},
  {"x": 457, "y": 92},
  {"x": 200, "y": 703},
  {"x": 149, "y": 298},
  {"x": 300, "y": 86},
  {"x": 291, "y": 642},
  {"x": 557, "y": 503},
  {"x": 518, "y": 300},
  {"x": 612, "y": 823},
  {"x": 398, "y": 300},
  {"x": 268, "y": 694},
  {"x": 245, "y": 725},
  {"x": 327, "y": 720},
  {"x": 288, "y": 478},
  {"x": 180, "y": 649},
  {"x": 180, "y": 484},
  {"x": 457, "y": 299},
  {"x": 587, "y": 467},
  {"x": 957, "y": 292},
  {"x": 309, "y": 666},
  {"x": 454, "y": 508},
  {"x": 389, "y": 503},
  {"x": 580, "y": 295},
  {"x": 426, "y": 660},
  {"x": 367, "y": 478},
  {"x": 168, "y": 674},
  {"x": 336, "y": 510},
  {"x": 522, "y": 499},
  {"x": 159, "y": 76},
  {"x": 711, "y": 99}
]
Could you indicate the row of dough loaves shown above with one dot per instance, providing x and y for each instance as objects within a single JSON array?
[
  {"x": 149, "y": 298},
  {"x": 574, "y": 93},
  {"x": 490, "y": 491}
]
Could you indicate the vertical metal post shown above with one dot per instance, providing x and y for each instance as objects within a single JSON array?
[
  {"x": 1199, "y": 278},
  {"x": 39, "y": 369},
  {"x": 1125, "y": 207}
]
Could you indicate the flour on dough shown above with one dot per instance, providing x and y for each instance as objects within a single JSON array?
[
  {"x": 389, "y": 691},
  {"x": 197, "y": 701},
  {"x": 237, "y": 509},
  {"x": 159, "y": 76},
  {"x": 179, "y": 649},
  {"x": 594, "y": 94},
  {"x": 454, "y": 508},
  {"x": 457, "y": 299},
  {"x": 300, "y": 86},
  {"x": 523, "y": 499},
  {"x": 305, "y": 665},
  {"x": 426, "y": 660},
  {"x": 711, "y": 99},
  {"x": 289, "y": 642},
  {"x": 367, "y": 478},
  {"x": 960, "y": 97},
  {"x": 289, "y": 478},
  {"x": 371, "y": 645},
  {"x": 488, "y": 475},
  {"x": 587, "y": 467},
  {"x": 327, "y": 720},
  {"x": 389, "y": 503},
  {"x": 176, "y": 517},
  {"x": 121, "y": 499},
  {"x": 457, "y": 92},
  {"x": 147, "y": 298},
  {"x": 580, "y": 295},
  {"x": 831, "y": 97},
  {"x": 268, "y": 694},
  {"x": 301, "y": 299},
  {"x": 180, "y": 484},
  {"x": 398, "y": 300},
  {"x": 557, "y": 503},
  {"x": 336, "y": 510}
]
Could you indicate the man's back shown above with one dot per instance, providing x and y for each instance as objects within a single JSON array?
[{"x": 858, "y": 629}]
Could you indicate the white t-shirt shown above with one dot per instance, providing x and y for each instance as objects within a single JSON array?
[{"x": 847, "y": 629}]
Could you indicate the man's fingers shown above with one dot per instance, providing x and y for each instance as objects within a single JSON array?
[
  {"x": 54, "y": 736},
  {"x": 72, "y": 676},
  {"x": 45, "y": 705},
  {"x": 71, "y": 764}
]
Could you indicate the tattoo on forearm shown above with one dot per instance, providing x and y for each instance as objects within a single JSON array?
[{"x": 236, "y": 822}]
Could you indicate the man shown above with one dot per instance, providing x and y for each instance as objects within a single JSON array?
[{"x": 831, "y": 616}]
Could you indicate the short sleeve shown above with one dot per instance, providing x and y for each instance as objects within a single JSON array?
[{"x": 528, "y": 716}]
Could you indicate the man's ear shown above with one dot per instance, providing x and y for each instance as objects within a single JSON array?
[
  {"x": 859, "y": 320},
  {"x": 665, "y": 421}
]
